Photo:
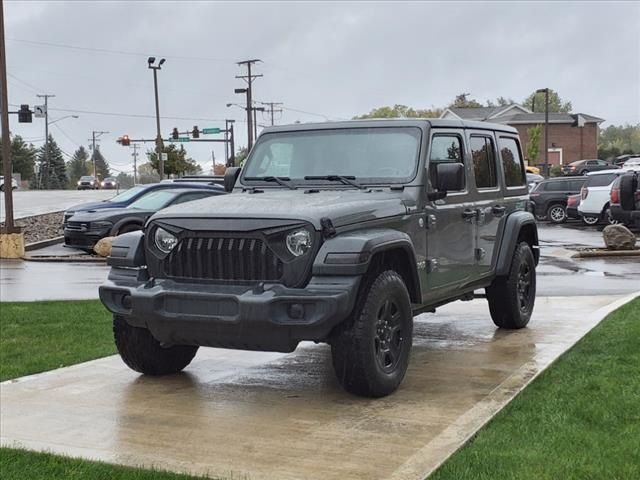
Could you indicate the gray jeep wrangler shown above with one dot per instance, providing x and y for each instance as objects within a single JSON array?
[{"x": 334, "y": 232}]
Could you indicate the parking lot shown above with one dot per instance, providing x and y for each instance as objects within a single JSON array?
[{"x": 36, "y": 202}]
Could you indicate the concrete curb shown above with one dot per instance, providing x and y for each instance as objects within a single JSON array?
[
  {"x": 28, "y": 258},
  {"x": 43, "y": 243},
  {"x": 606, "y": 253},
  {"x": 433, "y": 455}
]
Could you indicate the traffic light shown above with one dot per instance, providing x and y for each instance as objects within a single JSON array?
[
  {"x": 124, "y": 141},
  {"x": 195, "y": 133},
  {"x": 175, "y": 134},
  {"x": 24, "y": 114}
]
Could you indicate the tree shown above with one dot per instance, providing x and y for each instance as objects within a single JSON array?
[
  {"x": 619, "y": 140},
  {"x": 500, "y": 102},
  {"x": 556, "y": 104},
  {"x": 53, "y": 177},
  {"x": 147, "y": 173},
  {"x": 177, "y": 164},
  {"x": 401, "y": 111},
  {"x": 23, "y": 157},
  {"x": 241, "y": 156},
  {"x": 533, "y": 144},
  {"x": 78, "y": 166},
  {"x": 124, "y": 180},
  {"x": 102, "y": 166},
  {"x": 461, "y": 101}
]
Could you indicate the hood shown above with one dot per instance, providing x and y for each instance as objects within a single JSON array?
[
  {"x": 110, "y": 214},
  {"x": 343, "y": 207},
  {"x": 81, "y": 207}
]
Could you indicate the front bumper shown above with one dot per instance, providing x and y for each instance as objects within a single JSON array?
[
  {"x": 269, "y": 318},
  {"x": 83, "y": 239}
]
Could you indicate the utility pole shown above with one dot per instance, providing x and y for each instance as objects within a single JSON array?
[
  {"x": 6, "y": 144},
  {"x": 546, "y": 128},
  {"x": 213, "y": 161},
  {"x": 272, "y": 110},
  {"x": 249, "y": 79},
  {"x": 135, "y": 163},
  {"x": 46, "y": 139},
  {"x": 232, "y": 158},
  {"x": 94, "y": 137}
]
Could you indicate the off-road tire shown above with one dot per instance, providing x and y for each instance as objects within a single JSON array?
[
  {"x": 143, "y": 353},
  {"x": 511, "y": 298},
  {"x": 370, "y": 355},
  {"x": 557, "y": 213}
]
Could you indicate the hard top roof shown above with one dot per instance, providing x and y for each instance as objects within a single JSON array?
[{"x": 392, "y": 122}]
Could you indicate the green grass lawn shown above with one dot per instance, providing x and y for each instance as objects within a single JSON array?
[
  {"x": 579, "y": 420},
  {"x": 40, "y": 336}
]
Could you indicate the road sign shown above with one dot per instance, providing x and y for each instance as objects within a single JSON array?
[
  {"x": 207, "y": 131},
  {"x": 39, "y": 111},
  {"x": 180, "y": 139},
  {"x": 164, "y": 156}
]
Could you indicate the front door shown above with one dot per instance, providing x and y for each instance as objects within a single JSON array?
[{"x": 450, "y": 221}]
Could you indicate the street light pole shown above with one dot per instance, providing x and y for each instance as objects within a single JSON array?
[
  {"x": 46, "y": 139},
  {"x": 546, "y": 128},
  {"x": 150, "y": 63}
]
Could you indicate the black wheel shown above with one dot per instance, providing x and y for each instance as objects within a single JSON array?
[
  {"x": 590, "y": 220},
  {"x": 130, "y": 227},
  {"x": 511, "y": 298},
  {"x": 371, "y": 350},
  {"x": 584, "y": 172},
  {"x": 541, "y": 218},
  {"x": 557, "y": 213},
  {"x": 143, "y": 353},
  {"x": 608, "y": 217}
]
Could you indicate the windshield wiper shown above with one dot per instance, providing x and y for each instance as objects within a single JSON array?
[
  {"x": 284, "y": 181},
  {"x": 347, "y": 180}
]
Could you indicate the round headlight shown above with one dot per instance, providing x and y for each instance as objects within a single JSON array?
[
  {"x": 165, "y": 241},
  {"x": 299, "y": 242}
]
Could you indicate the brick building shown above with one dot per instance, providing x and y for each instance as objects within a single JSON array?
[{"x": 568, "y": 142}]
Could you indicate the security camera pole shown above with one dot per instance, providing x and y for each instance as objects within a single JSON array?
[{"x": 151, "y": 61}]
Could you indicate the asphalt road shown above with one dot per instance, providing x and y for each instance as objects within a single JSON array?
[{"x": 36, "y": 202}]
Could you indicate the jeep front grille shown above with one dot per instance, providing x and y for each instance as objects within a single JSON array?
[{"x": 228, "y": 259}]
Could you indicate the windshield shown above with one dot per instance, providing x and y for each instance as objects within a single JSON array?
[
  {"x": 374, "y": 155},
  {"x": 154, "y": 200},
  {"x": 127, "y": 194},
  {"x": 86, "y": 178}
]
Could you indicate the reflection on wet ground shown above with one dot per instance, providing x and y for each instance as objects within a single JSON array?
[{"x": 277, "y": 416}]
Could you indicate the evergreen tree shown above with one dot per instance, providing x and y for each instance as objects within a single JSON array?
[
  {"x": 178, "y": 162},
  {"x": 556, "y": 104},
  {"x": 52, "y": 174},
  {"x": 102, "y": 167},
  {"x": 23, "y": 157},
  {"x": 78, "y": 166}
]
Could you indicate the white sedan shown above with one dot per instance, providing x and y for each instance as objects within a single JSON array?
[{"x": 14, "y": 184}]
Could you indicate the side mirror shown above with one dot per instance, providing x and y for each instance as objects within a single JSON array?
[
  {"x": 231, "y": 174},
  {"x": 448, "y": 177},
  {"x": 628, "y": 187}
]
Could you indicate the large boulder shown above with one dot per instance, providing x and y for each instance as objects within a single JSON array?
[
  {"x": 618, "y": 237},
  {"x": 103, "y": 247}
]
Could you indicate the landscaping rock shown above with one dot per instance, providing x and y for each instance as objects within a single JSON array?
[
  {"x": 103, "y": 247},
  {"x": 618, "y": 237}
]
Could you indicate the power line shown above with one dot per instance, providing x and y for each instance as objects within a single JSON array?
[
  {"x": 26, "y": 84},
  {"x": 114, "y": 52}
]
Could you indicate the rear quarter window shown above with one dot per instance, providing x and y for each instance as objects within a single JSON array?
[
  {"x": 601, "y": 180},
  {"x": 512, "y": 164}
]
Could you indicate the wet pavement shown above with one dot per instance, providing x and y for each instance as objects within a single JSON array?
[
  {"x": 238, "y": 414},
  {"x": 37, "y": 202}
]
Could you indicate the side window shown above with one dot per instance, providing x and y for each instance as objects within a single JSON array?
[
  {"x": 189, "y": 197},
  {"x": 484, "y": 162},
  {"x": 511, "y": 162},
  {"x": 444, "y": 149}
]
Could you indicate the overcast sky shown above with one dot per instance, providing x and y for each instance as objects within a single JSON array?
[{"x": 323, "y": 60}]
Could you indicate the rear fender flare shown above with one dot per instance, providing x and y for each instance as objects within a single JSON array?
[{"x": 514, "y": 225}]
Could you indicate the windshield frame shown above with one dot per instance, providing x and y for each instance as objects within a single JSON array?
[{"x": 300, "y": 182}]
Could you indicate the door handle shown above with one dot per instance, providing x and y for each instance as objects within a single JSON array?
[
  {"x": 468, "y": 213},
  {"x": 498, "y": 210}
]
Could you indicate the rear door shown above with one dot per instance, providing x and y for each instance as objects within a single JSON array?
[
  {"x": 451, "y": 221},
  {"x": 488, "y": 197}
]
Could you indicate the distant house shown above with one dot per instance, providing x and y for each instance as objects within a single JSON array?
[{"x": 571, "y": 136}]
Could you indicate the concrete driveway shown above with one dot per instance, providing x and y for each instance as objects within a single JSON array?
[
  {"x": 36, "y": 202},
  {"x": 271, "y": 416}
]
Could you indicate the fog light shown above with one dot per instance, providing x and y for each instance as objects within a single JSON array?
[
  {"x": 126, "y": 302},
  {"x": 296, "y": 311}
]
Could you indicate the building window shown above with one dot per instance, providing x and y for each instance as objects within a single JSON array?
[
  {"x": 484, "y": 162},
  {"x": 512, "y": 164}
]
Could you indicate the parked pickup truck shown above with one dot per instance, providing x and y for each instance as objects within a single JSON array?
[{"x": 338, "y": 233}]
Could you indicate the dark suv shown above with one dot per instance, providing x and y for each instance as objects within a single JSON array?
[
  {"x": 625, "y": 200},
  {"x": 550, "y": 197},
  {"x": 334, "y": 232}
]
